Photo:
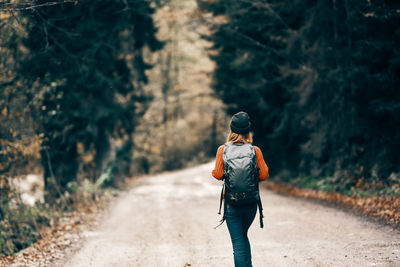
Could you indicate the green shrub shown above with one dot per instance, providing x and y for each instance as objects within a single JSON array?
[{"x": 19, "y": 226}]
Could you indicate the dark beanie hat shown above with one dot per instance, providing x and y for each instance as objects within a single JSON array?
[{"x": 240, "y": 123}]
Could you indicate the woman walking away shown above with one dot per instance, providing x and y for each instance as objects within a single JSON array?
[{"x": 241, "y": 166}]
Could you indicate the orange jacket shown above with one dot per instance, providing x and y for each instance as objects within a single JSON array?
[{"x": 219, "y": 164}]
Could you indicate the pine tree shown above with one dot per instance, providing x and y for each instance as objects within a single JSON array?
[
  {"x": 318, "y": 78},
  {"x": 84, "y": 68}
]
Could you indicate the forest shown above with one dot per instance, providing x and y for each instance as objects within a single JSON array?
[
  {"x": 92, "y": 92},
  {"x": 320, "y": 79}
]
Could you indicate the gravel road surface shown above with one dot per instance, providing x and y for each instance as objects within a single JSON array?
[{"x": 168, "y": 220}]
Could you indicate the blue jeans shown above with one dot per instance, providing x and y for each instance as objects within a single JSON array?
[{"x": 238, "y": 220}]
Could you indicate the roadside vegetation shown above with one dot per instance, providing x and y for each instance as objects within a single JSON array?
[
  {"x": 360, "y": 189},
  {"x": 93, "y": 92},
  {"x": 71, "y": 77}
]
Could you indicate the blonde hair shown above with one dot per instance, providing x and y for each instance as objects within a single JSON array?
[{"x": 235, "y": 137}]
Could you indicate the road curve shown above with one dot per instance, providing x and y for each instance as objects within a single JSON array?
[{"x": 168, "y": 220}]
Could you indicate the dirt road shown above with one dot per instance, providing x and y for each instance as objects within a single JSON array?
[{"x": 168, "y": 220}]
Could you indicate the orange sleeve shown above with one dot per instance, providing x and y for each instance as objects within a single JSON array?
[
  {"x": 218, "y": 171},
  {"x": 264, "y": 173}
]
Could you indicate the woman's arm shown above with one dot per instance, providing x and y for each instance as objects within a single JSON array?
[
  {"x": 264, "y": 173},
  {"x": 218, "y": 171}
]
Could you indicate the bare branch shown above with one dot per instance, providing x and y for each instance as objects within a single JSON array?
[{"x": 20, "y": 7}]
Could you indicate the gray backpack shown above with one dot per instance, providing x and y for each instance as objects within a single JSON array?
[
  {"x": 240, "y": 174},
  {"x": 241, "y": 177}
]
